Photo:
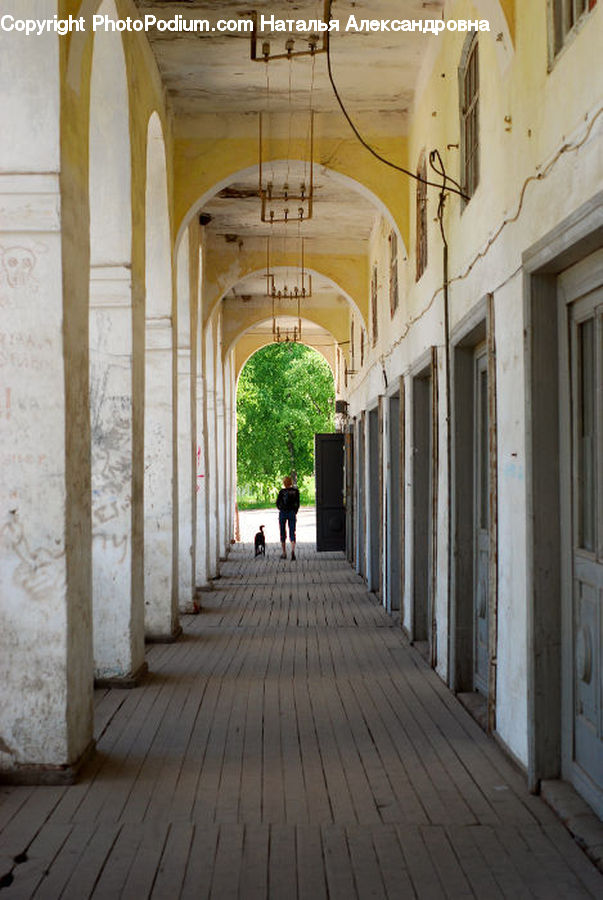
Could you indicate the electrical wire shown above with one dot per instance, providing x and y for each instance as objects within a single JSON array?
[
  {"x": 441, "y": 186},
  {"x": 311, "y": 108},
  {"x": 544, "y": 173}
]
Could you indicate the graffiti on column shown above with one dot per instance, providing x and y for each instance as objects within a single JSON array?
[
  {"x": 17, "y": 271},
  {"x": 200, "y": 474},
  {"x": 37, "y": 572},
  {"x": 111, "y": 442}
]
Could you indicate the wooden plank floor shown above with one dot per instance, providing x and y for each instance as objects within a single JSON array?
[{"x": 291, "y": 744}]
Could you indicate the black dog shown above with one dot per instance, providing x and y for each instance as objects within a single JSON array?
[{"x": 260, "y": 542}]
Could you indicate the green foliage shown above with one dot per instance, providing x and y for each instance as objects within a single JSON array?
[
  {"x": 285, "y": 395},
  {"x": 248, "y": 500}
]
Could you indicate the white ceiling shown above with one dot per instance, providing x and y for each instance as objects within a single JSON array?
[
  {"x": 374, "y": 71},
  {"x": 216, "y": 91}
]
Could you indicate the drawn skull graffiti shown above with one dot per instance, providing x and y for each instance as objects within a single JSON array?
[{"x": 18, "y": 263}]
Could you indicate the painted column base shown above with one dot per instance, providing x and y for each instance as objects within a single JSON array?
[
  {"x": 164, "y": 638},
  {"x": 129, "y": 680},
  {"x": 47, "y": 775},
  {"x": 192, "y": 608}
]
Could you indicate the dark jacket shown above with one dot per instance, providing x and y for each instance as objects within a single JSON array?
[{"x": 288, "y": 499}]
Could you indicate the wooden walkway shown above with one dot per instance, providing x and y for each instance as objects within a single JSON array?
[{"x": 291, "y": 744}]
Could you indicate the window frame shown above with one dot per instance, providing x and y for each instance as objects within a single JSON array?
[
  {"x": 565, "y": 20},
  {"x": 470, "y": 117},
  {"x": 374, "y": 305}
]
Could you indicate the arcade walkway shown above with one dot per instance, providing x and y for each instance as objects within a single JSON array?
[{"x": 291, "y": 744}]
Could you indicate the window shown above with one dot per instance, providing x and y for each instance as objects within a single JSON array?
[
  {"x": 469, "y": 82},
  {"x": 566, "y": 14},
  {"x": 393, "y": 272},
  {"x": 361, "y": 347},
  {"x": 352, "y": 352},
  {"x": 421, "y": 235},
  {"x": 374, "y": 317}
]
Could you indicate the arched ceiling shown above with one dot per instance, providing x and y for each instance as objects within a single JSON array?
[
  {"x": 217, "y": 93},
  {"x": 343, "y": 216},
  {"x": 246, "y": 306},
  {"x": 260, "y": 334},
  {"x": 213, "y": 73}
]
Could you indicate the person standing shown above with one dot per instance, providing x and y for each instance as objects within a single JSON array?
[{"x": 287, "y": 504}]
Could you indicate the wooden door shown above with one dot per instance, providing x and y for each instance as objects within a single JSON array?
[
  {"x": 422, "y": 507},
  {"x": 349, "y": 496},
  {"x": 330, "y": 491},
  {"x": 481, "y": 530},
  {"x": 394, "y": 542},
  {"x": 360, "y": 494},
  {"x": 586, "y": 396},
  {"x": 374, "y": 502}
]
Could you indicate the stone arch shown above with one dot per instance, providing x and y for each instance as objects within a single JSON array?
[
  {"x": 261, "y": 316},
  {"x": 349, "y": 277},
  {"x": 344, "y": 179},
  {"x": 249, "y": 331},
  {"x": 276, "y": 268}
]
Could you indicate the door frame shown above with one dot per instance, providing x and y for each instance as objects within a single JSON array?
[
  {"x": 579, "y": 235},
  {"x": 350, "y": 495},
  {"x": 579, "y": 283},
  {"x": 426, "y": 367},
  {"x": 374, "y": 495},
  {"x": 360, "y": 490},
  {"x": 328, "y": 535},
  {"x": 397, "y": 393},
  {"x": 475, "y": 328}
]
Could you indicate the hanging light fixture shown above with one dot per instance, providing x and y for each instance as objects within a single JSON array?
[
  {"x": 283, "y": 205},
  {"x": 296, "y": 293},
  {"x": 300, "y": 291},
  {"x": 285, "y": 202},
  {"x": 315, "y": 45}
]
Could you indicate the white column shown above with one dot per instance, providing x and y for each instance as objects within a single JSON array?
[
  {"x": 211, "y": 454},
  {"x": 221, "y": 451},
  {"x": 161, "y": 606},
  {"x": 185, "y": 484},
  {"x": 202, "y": 548},
  {"x": 118, "y": 618},
  {"x": 213, "y": 517},
  {"x": 230, "y": 450},
  {"x": 45, "y": 583}
]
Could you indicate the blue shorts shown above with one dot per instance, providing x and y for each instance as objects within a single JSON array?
[{"x": 284, "y": 516}]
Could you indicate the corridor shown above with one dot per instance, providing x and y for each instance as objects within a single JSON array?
[{"x": 290, "y": 744}]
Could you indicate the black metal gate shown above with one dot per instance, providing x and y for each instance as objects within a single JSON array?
[{"x": 330, "y": 491}]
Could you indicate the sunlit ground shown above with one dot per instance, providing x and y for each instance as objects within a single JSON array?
[{"x": 250, "y": 521}]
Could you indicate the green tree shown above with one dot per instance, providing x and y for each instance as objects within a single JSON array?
[{"x": 285, "y": 395}]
